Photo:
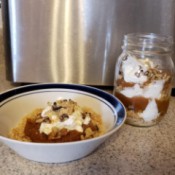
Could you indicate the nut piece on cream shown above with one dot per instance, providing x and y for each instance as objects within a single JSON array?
[
  {"x": 133, "y": 70},
  {"x": 60, "y": 118}
]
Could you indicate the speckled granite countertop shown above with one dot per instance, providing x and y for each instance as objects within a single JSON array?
[{"x": 131, "y": 151}]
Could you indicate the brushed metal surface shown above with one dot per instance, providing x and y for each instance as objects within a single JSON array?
[
  {"x": 63, "y": 41},
  {"x": 78, "y": 41}
]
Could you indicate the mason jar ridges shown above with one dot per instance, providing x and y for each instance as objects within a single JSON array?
[{"x": 143, "y": 78}]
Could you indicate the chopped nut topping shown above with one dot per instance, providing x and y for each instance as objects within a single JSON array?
[
  {"x": 55, "y": 107},
  {"x": 137, "y": 74},
  {"x": 63, "y": 117},
  {"x": 40, "y": 120}
]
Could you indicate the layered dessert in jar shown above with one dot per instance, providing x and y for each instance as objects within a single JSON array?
[
  {"x": 144, "y": 89},
  {"x": 60, "y": 121}
]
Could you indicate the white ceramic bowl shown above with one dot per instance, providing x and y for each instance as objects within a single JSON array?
[{"x": 16, "y": 103}]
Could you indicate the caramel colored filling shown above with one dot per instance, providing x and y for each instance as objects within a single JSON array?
[
  {"x": 32, "y": 131},
  {"x": 139, "y": 103},
  {"x": 135, "y": 103},
  {"x": 123, "y": 83},
  {"x": 28, "y": 129}
]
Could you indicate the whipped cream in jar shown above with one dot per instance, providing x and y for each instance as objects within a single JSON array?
[{"x": 143, "y": 77}]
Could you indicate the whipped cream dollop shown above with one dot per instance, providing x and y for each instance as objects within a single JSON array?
[
  {"x": 151, "y": 111},
  {"x": 73, "y": 121},
  {"x": 153, "y": 90},
  {"x": 133, "y": 70}
]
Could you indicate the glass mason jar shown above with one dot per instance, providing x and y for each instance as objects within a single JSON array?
[{"x": 143, "y": 77}]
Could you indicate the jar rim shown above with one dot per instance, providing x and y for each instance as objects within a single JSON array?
[
  {"x": 148, "y": 42},
  {"x": 149, "y": 37}
]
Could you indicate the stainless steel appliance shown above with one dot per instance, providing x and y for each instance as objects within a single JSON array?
[{"x": 76, "y": 41}]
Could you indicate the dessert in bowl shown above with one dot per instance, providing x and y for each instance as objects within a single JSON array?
[{"x": 70, "y": 120}]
